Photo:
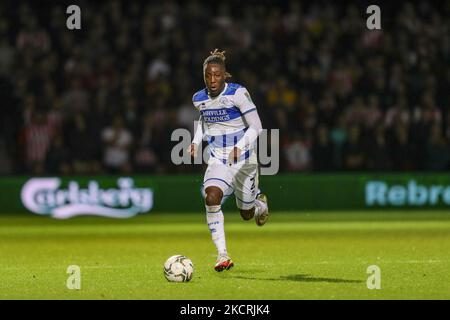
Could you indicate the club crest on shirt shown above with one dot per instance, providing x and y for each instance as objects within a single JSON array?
[{"x": 224, "y": 101}]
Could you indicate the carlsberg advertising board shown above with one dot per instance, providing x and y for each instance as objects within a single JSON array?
[{"x": 46, "y": 196}]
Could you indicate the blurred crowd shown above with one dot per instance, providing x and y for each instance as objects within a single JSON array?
[{"x": 106, "y": 98}]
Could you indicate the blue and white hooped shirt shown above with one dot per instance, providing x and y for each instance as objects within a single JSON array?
[{"x": 223, "y": 118}]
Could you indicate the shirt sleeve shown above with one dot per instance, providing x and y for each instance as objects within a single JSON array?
[
  {"x": 243, "y": 101},
  {"x": 253, "y": 131},
  {"x": 106, "y": 135},
  {"x": 196, "y": 104},
  {"x": 198, "y": 136}
]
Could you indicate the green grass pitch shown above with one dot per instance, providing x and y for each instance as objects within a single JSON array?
[{"x": 294, "y": 256}]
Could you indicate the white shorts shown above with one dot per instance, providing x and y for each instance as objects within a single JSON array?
[{"x": 240, "y": 179}]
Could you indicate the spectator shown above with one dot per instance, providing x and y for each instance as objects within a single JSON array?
[
  {"x": 75, "y": 99},
  {"x": 58, "y": 157},
  {"x": 322, "y": 150},
  {"x": 37, "y": 139},
  {"x": 6, "y": 55},
  {"x": 438, "y": 153},
  {"x": 298, "y": 153},
  {"x": 338, "y": 137},
  {"x": 377, "y": 150},
  {"x": 83, "y": 141},
  {"x": 403, "y": 152},
  {"x": 158, "y": 68},
  {"x": 373, "y": 113},
  {"x": 398, "y": 114},
  {"x": 353, "y": 151},
  {"x": 118, "y": 140},
  {"x": 186, "y": 116},
  {"x": 145, "y": 157},
  {"x": 31, "y": 37}
]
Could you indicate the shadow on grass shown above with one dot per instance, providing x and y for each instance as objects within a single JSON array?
[{"x": 300, "y": 278}]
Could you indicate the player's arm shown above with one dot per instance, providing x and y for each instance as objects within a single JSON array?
[
  {"x": 250, "y": 136},
  {"x": 198, "y": 137},
  {"x": 250, "y": 114}
]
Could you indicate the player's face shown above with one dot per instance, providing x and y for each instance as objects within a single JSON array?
[{"x": 214, "y": 78}]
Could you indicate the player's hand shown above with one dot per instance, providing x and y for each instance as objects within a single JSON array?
[
  {"x": 192, "y": 149},
  {"x": 234, "y": 155}
]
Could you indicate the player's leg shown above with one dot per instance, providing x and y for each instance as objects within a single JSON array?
[
  {"x": 250, "y": 202},
  {"x": 214, "y": 217},
  {"x": 215, "y": 188},
  {"x": 262, "y": 211}
]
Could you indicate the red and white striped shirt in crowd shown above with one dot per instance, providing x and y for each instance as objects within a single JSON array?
[{"x": 37, "y": 142}]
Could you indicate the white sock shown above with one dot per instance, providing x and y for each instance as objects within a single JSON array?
[
  {"x": 260, "y": 207},
  {"x": 216, "y": 226}
]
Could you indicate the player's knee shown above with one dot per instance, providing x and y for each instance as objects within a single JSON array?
[
  {"x": 213, "y": 196},
  {"x": 247, "y": 214}
]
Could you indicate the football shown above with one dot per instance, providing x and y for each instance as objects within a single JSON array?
[{"x": 178, "y": 268}]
